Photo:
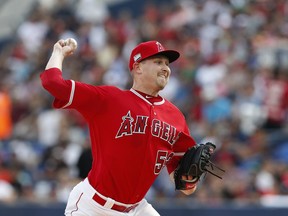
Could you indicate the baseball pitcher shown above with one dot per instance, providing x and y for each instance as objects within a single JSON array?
[{"x": 134, "y": 133}]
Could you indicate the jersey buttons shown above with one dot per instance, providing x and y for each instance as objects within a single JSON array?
[{"x": 153, "y": 110}]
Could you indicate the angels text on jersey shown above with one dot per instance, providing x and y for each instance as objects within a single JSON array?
[{"x": 138, "y": 125}]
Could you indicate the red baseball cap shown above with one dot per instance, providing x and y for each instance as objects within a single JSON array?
[{"x": 148, "y": 49}]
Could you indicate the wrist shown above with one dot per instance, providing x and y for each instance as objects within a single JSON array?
[{"x": 190, "y": 191}]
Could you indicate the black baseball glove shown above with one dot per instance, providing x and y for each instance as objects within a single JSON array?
[{"x": 194, "y": 163}]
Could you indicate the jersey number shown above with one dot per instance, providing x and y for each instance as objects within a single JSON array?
[{"x": 161, "y": 160}]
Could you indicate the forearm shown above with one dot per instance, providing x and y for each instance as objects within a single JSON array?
[
  {"x": 55, "y": 61},
  {"x": 51, "y": 78}
]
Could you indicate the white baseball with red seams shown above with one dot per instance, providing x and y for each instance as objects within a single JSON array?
[{"x": 72, "y": 43}]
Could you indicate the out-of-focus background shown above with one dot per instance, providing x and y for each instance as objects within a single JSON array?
[{"x": 230, "y": 83}]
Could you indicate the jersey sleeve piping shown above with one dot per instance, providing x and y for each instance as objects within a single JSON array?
[{"x": 71, "y": 94}]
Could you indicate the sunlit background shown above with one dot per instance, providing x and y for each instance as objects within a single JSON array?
[{"x": 230, "y": 83}]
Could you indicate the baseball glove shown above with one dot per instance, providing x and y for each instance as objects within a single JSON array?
[{"x": 194, "y": 163}]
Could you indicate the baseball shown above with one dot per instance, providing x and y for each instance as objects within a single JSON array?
[{"x": 71, "y": 42}]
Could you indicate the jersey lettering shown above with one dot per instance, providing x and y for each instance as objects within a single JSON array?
[
  {"x": 141, "y": 124},
  {"x": 126, "y": 126},
  {"x": 172, "y": 138},
  {"x": 165, "y": 131},
  {"x": 159, "y": 129},
  {"x": 156, "y": 127}
]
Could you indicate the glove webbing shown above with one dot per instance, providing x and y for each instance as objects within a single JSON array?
[{"x": 211, "y": 167}]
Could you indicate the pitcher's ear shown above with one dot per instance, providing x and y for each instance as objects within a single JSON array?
[{"x": 137, "y": 67}]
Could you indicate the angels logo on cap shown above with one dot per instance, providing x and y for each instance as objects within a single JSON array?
[
  {"x": 160, "y": 47},
  {"x": 148, "y": 49},
  {"x": 137, "y": 57}
]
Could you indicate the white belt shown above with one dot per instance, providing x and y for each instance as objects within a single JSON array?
[{"x": 109, "y": 202}]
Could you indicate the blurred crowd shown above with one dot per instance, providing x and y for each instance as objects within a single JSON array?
[{"x": 230, "y": 83}]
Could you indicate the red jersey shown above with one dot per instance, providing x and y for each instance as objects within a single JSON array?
[{"x": 132, "y": 139}]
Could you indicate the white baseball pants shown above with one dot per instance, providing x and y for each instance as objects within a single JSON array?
[{"x": 81, "y": 203}]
